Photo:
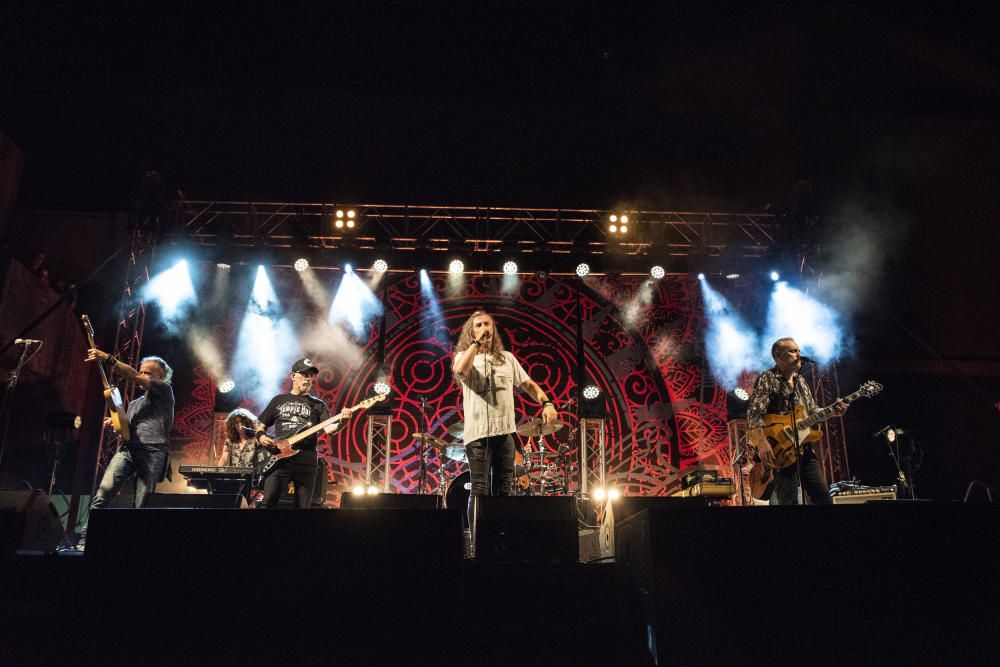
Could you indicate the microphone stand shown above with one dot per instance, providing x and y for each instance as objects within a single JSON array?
[
  {"x": 423, "y": 447},
  {"x": 8, "y": 399}
]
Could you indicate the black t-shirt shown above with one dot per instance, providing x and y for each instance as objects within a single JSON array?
[{"x": 290, "y": 413}]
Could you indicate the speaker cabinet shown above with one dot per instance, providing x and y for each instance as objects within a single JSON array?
[
  {"x": 41, "y": 529},
  {"x": 527, "y": 528}
]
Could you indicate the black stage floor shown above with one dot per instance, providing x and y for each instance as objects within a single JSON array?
[{"x": 896, "y": 583}]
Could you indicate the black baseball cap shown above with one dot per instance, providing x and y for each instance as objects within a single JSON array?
[{"x": 305, "y": 367}]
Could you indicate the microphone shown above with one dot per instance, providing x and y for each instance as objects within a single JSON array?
[
  {"x": 26, "y": 341},
  {"x": 806, "y": 360}
]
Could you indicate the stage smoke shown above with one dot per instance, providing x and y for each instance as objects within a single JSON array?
[
  {"x": 266, "y": 344},
  {"x": 354, "y": 304},
  {"x": 815, "y": 326},
  {"x": 730, "y": 344},
  {"x": 174, "y": 293},
  {"x": 206, "y": 350}
]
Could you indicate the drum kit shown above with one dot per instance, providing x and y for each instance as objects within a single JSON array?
[{"x": 537, "y": 473}]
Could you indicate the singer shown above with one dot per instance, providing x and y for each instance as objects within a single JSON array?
[
  {"x": 776, "y": 391},
  {"x": 488, "y": 375}
]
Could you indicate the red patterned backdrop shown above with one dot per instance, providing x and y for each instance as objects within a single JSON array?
[{"x": 642, "y": 346}]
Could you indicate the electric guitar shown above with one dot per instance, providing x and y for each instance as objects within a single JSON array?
[
  {"x": 779, "y": 432},
  {"x": 116, "y": 409},
  {"x": 284, "y": 445}
]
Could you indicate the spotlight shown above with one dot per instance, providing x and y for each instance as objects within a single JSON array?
[
  {"x": 623, "y": 220},
  {"x": 226, "y": 386},
  {"x": 591, "y": 391},
  {"x": 348, "y": 268},
  {"x": 741, "y": 394},
  {"x": 599, "y": 494},
  {"x": 358, "y": 490},
  {"x": 613, "y": 228},
  {"x": 582, "y": 269},
  {"x": 340, "y": 213},
  {"x": 350, "y": 214},
  {"x": 350, "y": 224},
  {"x": 456, "y": 266},
  {"x": 614, "y": 494},
  {"x": 775, "y": 276},
  {"x": 890, "y": 435},
  {"x": 732, "y": 276},
  {"x": 623, "y": 229},
  {"x": 372, "y": 490},
  {"x": 380, "y": 266},
  {"x": 701, "y": 276},
  {"x": 613, "y": 218},
  {"x": 339, "y": 224},
  {"x": 382, "y": 388},
  {"x": 657, "y": 272},
  {"x": 223, "y": 266},
  {"x": 510, "y": 268},
  {"x": 301, "y": 264},
  {"x": 541, "y": 275}
]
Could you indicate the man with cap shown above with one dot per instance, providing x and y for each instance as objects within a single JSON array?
[{"x": 290, "y": 413}]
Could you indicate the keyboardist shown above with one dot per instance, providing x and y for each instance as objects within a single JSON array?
[{"x": 238, "y": 449}]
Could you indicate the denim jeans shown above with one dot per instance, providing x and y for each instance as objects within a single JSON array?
[
  {"x": 786, "y": 486},
  {"x": 146, "y": 465}
]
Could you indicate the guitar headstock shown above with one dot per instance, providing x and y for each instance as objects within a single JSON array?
[
  {"x": 870, "y": 388},
  {"x": 87, "y": 325},
  {"x": 377, "y": 398}
]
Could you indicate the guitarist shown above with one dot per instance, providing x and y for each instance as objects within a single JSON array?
[
  {"x": 151, "y": 415},
  {"x": 777, "y": 391},
  {"x": 290, "y": 413}
]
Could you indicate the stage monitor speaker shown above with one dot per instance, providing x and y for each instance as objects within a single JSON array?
[
  {"x": 527, "y": 528},
  {"x": 390, "y": 501},
  {"x": 42, "y": 530},
  {"x": 196, "y": 501}
]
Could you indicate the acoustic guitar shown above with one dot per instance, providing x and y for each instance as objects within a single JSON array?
[
  {"x": 113, "y": 398},
  {"x": 284, "y": 446},
  {"x": 780, "y": 433}
]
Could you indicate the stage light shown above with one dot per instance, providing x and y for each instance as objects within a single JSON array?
[
  {"x": 226, "y": 386},
  {"x": 623, "y": 219},
  {"x": 350, "y": 214},
  {"x": 732, "y": 276},
  {"x": 340, "y": 213},
  {"x": 599, "y": 494},
  {"x": 591, "y": 391},
  {"x": 614, "y": 494},
  {"x": 223, "y": 266},
  {"x": 380, "y": 266},
  {"x": 657, "y": 272},
  {"x": 741, "y": 394},
  {"x": 509, "y": 268},
  {"x": 583, "y": 269},
  {"x": 372, "y": 490},
  {"x": 541, "y": 275},
  {"x": 775, "y": 276},
  {"x": 339, "y": 224},
  {"x": 613, "y": 218},
  {"x": 701, "y": 276},
  {"x": 890, "y": 435},
  {"x": 382, "y": 388},
  {"x": 301, "y": 264},
  {"x": 613, "y": 229},
  {"x": 456, "y": 266},
  {"x": 358, "y": 490},
  {"x": 623, "y": 229}
]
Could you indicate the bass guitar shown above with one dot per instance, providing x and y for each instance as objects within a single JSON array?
[
  {"x": 284, "y": 446},
  {"x": 116, "y": 408},
  {"x": 780, "y": 433}
]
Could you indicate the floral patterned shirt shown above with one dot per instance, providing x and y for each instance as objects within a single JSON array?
[{"x": 773, "y": 395}]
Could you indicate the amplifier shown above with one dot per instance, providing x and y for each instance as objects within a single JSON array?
[{"x": 864, "y": 494}]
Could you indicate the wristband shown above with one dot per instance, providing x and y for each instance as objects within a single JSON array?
[{"x": 544, "y": 403}]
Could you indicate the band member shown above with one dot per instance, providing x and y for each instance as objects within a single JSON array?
[
  {"x": 151, "y": 416},
  {"x": 290, "y": 413},
  {"x": 241, "y": 441},
  {"x": 488, "y": 375},
  {"x": 777, "y": 391}
]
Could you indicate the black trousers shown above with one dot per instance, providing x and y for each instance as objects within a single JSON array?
[
  {"x": 300, "y": 469},
  {"x": 491, "y": 465},
  {"x": 814, "y": 486}
]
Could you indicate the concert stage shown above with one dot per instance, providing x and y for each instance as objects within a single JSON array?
[{"x": 885, "y": 583}]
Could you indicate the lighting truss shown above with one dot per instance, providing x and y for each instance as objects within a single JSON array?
[
  {"x": 593, "y": 456},
  {"x": 378, "y": 454}
]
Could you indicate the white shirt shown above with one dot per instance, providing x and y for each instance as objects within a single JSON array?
[{"x": 488, "y": 396}]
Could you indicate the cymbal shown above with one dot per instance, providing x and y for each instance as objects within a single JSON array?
[
  {"x": 534, "y": 426},
  {"x": 457, "y": 429},
  {"x": 431, "y": 440},
  {"x": 456, "y": 452},
  {"x": 541, "y": 455}
]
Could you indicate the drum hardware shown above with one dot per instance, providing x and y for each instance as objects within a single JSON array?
[
  {"x": 535, "y": 427},
  {"x": 457, "y": 430}
]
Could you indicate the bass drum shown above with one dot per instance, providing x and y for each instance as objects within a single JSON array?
[{"x": 457, "y": 496}]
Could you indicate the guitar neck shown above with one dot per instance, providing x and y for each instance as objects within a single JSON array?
[
  {"x": 100, "y": 366},
  {"x": 332, "y": 420},
  {"x": 823, "y": 414}
]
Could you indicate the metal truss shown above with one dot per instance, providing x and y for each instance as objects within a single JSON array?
[
  {"x": 593, "y": 456},
  {"x": 378, "y": 454},
  {"x": 128, "y": 333},
  {"x": 476, "y": 229},
  {"x": 737, "y": 430},
  {"x": 832, "y": 449}
]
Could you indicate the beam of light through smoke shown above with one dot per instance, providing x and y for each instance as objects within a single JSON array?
[
  {"x": 427, "y": 289},
  {"x": 266, "y": 343},
  {"x": 816, "y": 327},
  {"x": 174, "y": 292},
  {"x": 354, "y": 303},
  {"x": 730, "y": 343}
]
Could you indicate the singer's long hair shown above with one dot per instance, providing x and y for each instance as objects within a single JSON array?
[
  {"x": 495, "y": 348},
  {"x": 240, "y": 417}
]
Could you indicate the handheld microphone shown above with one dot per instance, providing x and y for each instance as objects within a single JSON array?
[
  {"x": 806, "y": 360},
  {"x": 26, "y": 341}
]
